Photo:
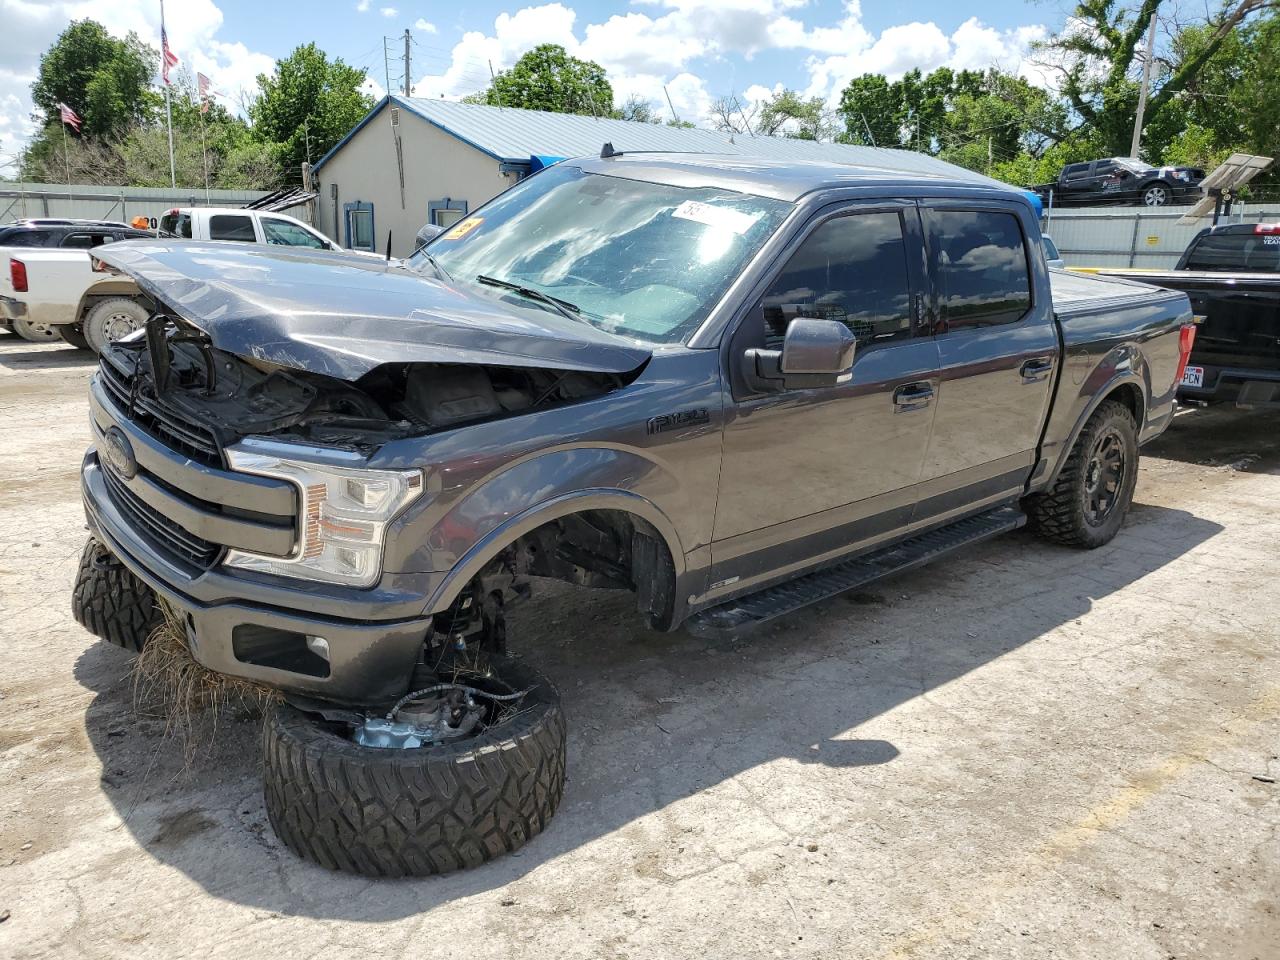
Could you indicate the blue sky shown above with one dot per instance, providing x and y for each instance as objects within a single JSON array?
[{"x": 696, "y": 49}]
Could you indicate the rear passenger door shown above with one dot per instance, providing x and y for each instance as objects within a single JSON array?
[{"x": 998, "y": 353}]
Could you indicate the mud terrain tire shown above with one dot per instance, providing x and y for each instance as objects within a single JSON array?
[
  {"x": 1062, "y": 513},
  {"x": 110, "y": 602},
  {"x": 394, "y": 813}
]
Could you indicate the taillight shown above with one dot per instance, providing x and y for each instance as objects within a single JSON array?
[
  {"x": 1186, "y": 340},
  {"x": 18, "y": 275},
  {"x": 1267, "y": 228}
]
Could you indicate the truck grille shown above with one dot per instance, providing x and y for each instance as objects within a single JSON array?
[
  {"x": 171, "y": 427},
  {"x": 171, "y": 539}
]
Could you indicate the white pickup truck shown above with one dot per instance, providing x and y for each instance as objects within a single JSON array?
[{"x": 57, "y": 288}]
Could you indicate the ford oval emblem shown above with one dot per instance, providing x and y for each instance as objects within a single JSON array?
[{"x": 117, "y": 451}]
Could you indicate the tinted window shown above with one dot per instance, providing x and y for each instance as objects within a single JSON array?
[
  {"x": 852, "y": 269},
  {"x": 1105, "y": 166},
  {"x": 1246, "y": 252},
  {"x": 225, "y": 226},
  {"x": 85, "y": 240},
  {"x": 980, "y": 265},
  {"x": 176, "y": 225},
  {"x": 290, "y": 234},
  {"x": 1076, "y": 170},
  {"x": 23, "y": 238}
]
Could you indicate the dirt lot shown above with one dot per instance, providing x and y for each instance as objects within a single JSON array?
[{"x": 1024, "y": 751}]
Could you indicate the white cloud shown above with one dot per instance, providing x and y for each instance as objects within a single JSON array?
[
  {"x": 193, "y": 25},
  {"x": 362, "y": 6},
  {"x": 425, "y": 26},
  {"x": 388, "y": 12}
]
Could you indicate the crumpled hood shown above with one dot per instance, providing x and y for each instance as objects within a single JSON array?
[{"x": 342, "y": 315}]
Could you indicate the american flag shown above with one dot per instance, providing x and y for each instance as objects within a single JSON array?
[
  {"x": 205, "y": 87},
  {"x": 69, "y": 117},
  {"x": 169, "y": 59}
]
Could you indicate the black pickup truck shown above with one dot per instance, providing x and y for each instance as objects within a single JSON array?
[
  {"x": 1231, "y": 273},
  {"x": 1122, "y": 180}
]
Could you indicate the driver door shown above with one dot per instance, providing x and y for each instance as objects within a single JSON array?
[{"x": 809, "y": 474}]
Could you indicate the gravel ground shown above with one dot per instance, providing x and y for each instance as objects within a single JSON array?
[{"x": 1021, "y": 751}]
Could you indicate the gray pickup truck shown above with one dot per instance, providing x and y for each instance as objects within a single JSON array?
[{"x": 732, "y": 387}]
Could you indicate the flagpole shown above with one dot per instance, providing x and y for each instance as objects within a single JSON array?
[
  {"x": 66, "y": 160},
  {"x": 168, "y": 111},
  {"x": 204, "y": 150}
]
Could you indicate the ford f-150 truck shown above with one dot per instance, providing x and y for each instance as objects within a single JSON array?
[{"x": 733, "y": 387}]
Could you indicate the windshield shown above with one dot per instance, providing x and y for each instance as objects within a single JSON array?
[{"x": 645, "y": 260}]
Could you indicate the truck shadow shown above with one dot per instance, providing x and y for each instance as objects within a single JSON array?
[
  {"x": 657, "y": 721},
  {"x": 1247, "y": 441},
  {"x": 52, "y": 356}
]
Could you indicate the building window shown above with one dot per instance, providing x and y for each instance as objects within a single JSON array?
[
  {"x": 359, "y": 225},
  {"x": 445, "y": 213}
]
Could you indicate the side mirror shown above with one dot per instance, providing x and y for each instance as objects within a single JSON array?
[
  {"x": 428, "y": 233},
  {"x": 815, "y": 353}
]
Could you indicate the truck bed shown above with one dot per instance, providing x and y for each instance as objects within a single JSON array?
[{"x": 1237, "y": 350}]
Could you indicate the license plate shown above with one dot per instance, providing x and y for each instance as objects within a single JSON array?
[{"x": 1193, "y": 377}]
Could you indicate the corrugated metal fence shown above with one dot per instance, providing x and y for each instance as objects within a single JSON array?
[
  {"x": 1134, "y": 236},
  {"x": 109, "y": 203}
]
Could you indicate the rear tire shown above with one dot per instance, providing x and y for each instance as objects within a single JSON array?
[
  {"x": 1080, "y": 510},
  {"x": 35, "y": 332},
  {"x": 112, "y": 319},
  {"x": 72, "y": 333},
  {"x": 1156, "y": 195},
  {"x": 389, "y": 812},
  {"x": 110, "y": 602}
]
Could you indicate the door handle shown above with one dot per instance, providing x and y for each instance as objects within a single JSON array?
[
  {"x": 1036, "y": 369},
  {"x": 912, "y": 396}
]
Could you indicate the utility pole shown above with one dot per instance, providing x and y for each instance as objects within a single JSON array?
[
  {"x": 407, "y": 83},
  {"x": 1146, "y": 85},
  {"x": 988, "y": 155},
  {"x": 386, "y": 65}
]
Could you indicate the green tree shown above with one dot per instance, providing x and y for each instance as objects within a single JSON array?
[
  {"x": 788, "y": 114},
  {"x": 1100, "y": 63},
  {"x": 637, "y": 108},
  {"x": 547, "y": 78},
  {"x": 106, "y": 81},
  {"x": 308, "y": 104},
  {"x": 872, "y": 111}
]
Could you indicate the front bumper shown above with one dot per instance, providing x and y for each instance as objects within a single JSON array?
[
  {"x": 11, "y": 309},
  {"x": 369, "y": 661},
  {"x": 1246, "y": 388}
]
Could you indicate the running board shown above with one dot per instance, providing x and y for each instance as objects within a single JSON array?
[{"x": 756, "y": 609}]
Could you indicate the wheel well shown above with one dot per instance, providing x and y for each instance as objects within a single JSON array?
[
  {"x": 611, "y": 549},
  {"x": 1129, "y": 395}
]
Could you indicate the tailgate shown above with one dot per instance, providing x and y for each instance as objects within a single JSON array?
[{"x": 1241, "y": 328}]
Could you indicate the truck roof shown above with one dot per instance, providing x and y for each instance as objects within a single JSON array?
[{"x": 780, "y": 179}]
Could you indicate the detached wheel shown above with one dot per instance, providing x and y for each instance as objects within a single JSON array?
[
  {"x": 72, "y": 333},
  {"x": 109, "y": 320},
  {"x": 35, "y": 332},
  {"x": 394, "y": 812},
  {"x": 1087, "y": 503},
  {"x": 110, "y": 602},
  {"x": 1156, "y": 195}
]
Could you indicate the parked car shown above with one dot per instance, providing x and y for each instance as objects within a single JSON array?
[
  {"x": 242, "y": 226},
  {"x": 733, "y": 388},
  {"x": 1231, "y": 273},
  {"x": 1123, "y": 180},
  {"x": 44, "y": 234}
]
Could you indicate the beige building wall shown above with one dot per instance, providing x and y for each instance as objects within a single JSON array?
[{"x": 436, "y": 166}]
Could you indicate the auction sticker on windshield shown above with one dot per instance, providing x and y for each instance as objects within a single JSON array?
[
  {"x": 735, "y": 221},
  {"x": 461, "y": 229},
  {"x": 1193, "y": 377}
]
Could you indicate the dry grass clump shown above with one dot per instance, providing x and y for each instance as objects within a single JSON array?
[{"x": 168, "y": 684}]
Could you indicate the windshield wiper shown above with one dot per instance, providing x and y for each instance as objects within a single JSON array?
[
  {"x": 434, "y": 263},
  {"x": 562, "y": 307}
]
